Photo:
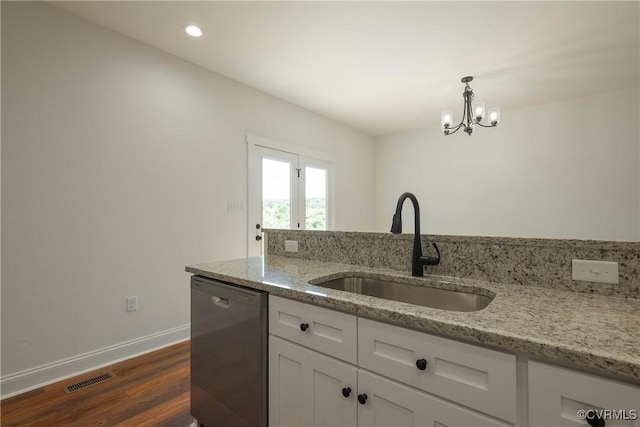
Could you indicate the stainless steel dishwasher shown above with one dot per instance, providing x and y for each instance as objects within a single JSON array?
[{"x": 228, "y": 354}]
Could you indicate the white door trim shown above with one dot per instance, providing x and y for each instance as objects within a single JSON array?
[
  {"x": 256, "y": 140},
  {"x": 306, "y": 155}
]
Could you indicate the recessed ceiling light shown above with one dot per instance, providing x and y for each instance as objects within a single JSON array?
[{"x": 192, "y": 30}]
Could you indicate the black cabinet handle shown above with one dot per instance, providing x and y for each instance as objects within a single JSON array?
[
  {"x": 304, "y": 326},
  {"x": 593, "y": 419},
  {"x": 362, "y": 398},
  {"x": 258, "y": 238},
  {"x": 421, "y": 364},
  {"x": 346, "y": 391}
]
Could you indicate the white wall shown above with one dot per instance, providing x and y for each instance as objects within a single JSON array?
[
  {"x": 118, "y": 161},
  {"x": 562, "y": 170}
]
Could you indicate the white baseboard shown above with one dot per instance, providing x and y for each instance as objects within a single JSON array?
[{"x": 29, "y": 379}]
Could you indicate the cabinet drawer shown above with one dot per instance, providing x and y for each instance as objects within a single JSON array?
[
  {"x": 326, "y": 331},
  {"x": 476, "y": 377},
  {"x": 557, "y": 394}
]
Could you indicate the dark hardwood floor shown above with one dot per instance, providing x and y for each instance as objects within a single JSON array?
[{"x": 149, "y": 390}]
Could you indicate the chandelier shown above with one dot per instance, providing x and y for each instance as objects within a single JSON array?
[{"x": 472, "y": 114}]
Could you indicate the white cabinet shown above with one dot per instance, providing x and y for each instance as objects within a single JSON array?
[
  {"x": 473, "y": 376},
  {"x": 557, "y": 395},
  {"x": 415, "y": 379},
  {"x": 389, "y": 403},
  {"x": 307, "y": 388}
]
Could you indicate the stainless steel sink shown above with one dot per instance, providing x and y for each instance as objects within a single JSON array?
[{"x": 442, "y": 299}]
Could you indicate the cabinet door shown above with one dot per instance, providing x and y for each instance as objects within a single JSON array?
[
  {"x": 306, "y": 388},
  {"x": 557, "y": 395},
  {"x": 392, "y": 404}
]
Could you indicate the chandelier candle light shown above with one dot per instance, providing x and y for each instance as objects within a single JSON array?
[{"x": 472, "y": 114}]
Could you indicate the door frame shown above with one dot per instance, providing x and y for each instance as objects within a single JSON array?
[{"x": 254, "y": 143}]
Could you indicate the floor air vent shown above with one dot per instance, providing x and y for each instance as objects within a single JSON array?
[{"x": 86, "y": 383}]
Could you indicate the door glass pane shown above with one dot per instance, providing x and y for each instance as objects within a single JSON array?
[
  {"x": 276, "y": 194},
  {"x": 316, "y": 198}
]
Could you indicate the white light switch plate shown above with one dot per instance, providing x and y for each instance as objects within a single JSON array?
[
  {"x": 235, "y": 205},
  {"x": 595, "y": 271},
  {"x": 291, "y": 246}
]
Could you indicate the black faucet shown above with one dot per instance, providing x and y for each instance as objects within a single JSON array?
[{"x": 417, "y": 260}]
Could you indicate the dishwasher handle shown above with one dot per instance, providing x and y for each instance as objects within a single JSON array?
[
  {"x": 228, "y": 293},
  {"x": 220, "y": 302}
]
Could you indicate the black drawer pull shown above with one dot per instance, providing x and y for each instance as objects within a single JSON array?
[
  {"x": 304, "y": 326},
  {"x": 346, "y": 391},
  {"x": 421, "y": 364},
  {"x": 593, "y": 419},
  {"x": 362, "y": 398}
]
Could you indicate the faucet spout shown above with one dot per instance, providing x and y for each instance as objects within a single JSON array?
[{"x": 417, "y": 260}]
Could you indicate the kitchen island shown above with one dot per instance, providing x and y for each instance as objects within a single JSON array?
[{"x": 595, "y": 333}]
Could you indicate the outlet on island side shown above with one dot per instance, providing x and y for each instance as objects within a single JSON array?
[
  {"x": 595, "y": 271},
  {"x": 132, "y": 303},
  {"x": 291, "y": 246}
]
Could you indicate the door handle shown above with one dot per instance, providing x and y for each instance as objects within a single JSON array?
[{"x": 220, "y": 302}]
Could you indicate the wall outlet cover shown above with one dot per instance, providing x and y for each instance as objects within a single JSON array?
[
  {"x": 291, "y": 246},
  {"x": 595, "y": 271},
  {"x": 132, "y": 303}
]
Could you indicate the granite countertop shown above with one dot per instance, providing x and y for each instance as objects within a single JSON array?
[{"x": 594, "y": 332}]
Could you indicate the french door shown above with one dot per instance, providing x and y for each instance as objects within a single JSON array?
[{"x": 286, "y": 191}]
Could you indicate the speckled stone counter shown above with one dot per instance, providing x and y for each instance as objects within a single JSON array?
[
  {"x": 521, "y": 261},
  {"x": 597, "y": 333}
]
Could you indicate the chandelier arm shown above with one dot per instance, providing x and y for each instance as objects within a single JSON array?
[
  {"x": 455, "y": 129},
  {"x": 485, "y": 126},
  {"x": 459, "y": 124}
]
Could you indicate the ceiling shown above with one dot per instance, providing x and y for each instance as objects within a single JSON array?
[{"x": 387, "y": 67}]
